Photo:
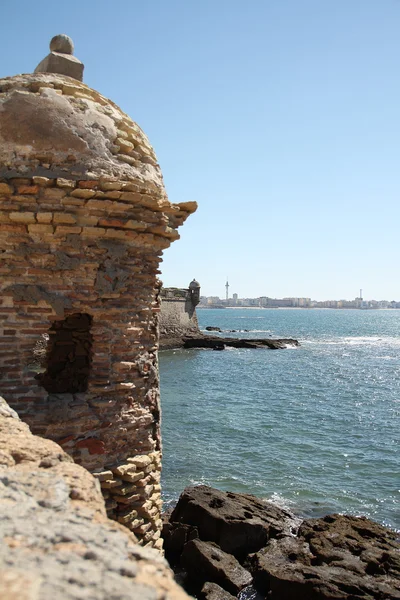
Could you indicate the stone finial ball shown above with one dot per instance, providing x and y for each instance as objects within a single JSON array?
[{"x": 62, "y": 43}]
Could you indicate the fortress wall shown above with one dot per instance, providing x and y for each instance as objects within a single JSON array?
[{"x": 178, "y": 315}]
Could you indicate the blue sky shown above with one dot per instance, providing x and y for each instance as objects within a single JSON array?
[{"x": 280, "y": 117}]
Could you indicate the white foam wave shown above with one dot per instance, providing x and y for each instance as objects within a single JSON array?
[
  {"x": 357, "y": 341},
  {"x": 280, "y": 501},
  {"x": 258, "y": 330}
]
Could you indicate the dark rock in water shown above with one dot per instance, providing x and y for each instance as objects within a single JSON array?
[
  {"x": 212, "y": 591},
  {"x": 204, "y": 561},
  {"x": 216, "y": 342},
  {"x": 336, "y": 557},
  {"x": 238, "y": 523},
  {"x": 199, "y": 340},
  {"x": 333, "y": 558},
  {"x": 209, "y": 328},
  {"x": 176, "y": 535}
]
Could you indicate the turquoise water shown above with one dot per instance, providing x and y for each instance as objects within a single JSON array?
[{"x": 315, "y": 429}]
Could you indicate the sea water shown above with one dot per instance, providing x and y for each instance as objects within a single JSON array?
[{"x": 313, "y": 428}]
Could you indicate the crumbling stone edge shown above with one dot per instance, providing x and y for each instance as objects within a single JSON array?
[{"x": 56, "y": 539}]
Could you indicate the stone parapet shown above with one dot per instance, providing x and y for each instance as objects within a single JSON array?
[{"x": 51, "y": 209}]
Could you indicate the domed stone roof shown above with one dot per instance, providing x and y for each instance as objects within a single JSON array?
[
  {"x": 194, "y": 284},
  {"x": 55, "y": 126}
]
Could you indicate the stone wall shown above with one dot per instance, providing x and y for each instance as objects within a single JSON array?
[
  {"x": 84, "y": 218},
  {"x": 56, "y": 541},
  {"x": 178, "y": 313}
]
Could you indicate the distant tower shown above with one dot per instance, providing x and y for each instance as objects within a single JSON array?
[
  {"x": 361, "y": 294},
  {"x": 194, "y": 292},
  {"x": 227, "y": 289}
]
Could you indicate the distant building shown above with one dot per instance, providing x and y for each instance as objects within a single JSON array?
[{"x": 293, "y": 302}]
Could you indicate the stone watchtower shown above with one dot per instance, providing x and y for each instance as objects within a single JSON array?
[
  {"x": 194, "y": 291},
  {"x": 84, "y": 218}
]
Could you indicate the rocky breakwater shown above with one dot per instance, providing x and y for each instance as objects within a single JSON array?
[
  {"x": 220, "y": 343},
  {"x": 200, "y": 340},
  {"x": 225, "y": 545},
  {"x": 56, "y": 540}
]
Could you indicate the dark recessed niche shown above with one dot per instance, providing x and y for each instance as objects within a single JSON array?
[{"x": 69, "y": 355}]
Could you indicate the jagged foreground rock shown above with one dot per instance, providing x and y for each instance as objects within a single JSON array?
[
  {"x": 212, "y": 591},
  {"x": 333, "y": 558},
  {"x": 204, "y": 560},
  {"x": 56, "y": 541},
  {"x": 238, "y": 523},
  {"x": 337, "y": 556}
]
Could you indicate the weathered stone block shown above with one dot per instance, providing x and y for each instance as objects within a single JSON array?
[
  {"x": 68, "y": 184},
  {"x": 53, "y": 193},
  {"x": 93, "y": 231},
  {"x": 64, "y": 219},
  {"x": 88, "y": 184},
  {"x": 102, "y": 475},
  {"x": 42, "y": 181},
  {"x": 64, "y": 64},
  {"x": 129, "y": 518},
  {"x": 121, "y": 470},
  {"x": 111, "y": 484},
  {"x": 65, "y": 230},
  {"x": 5, "y": 188},
  {"x": 110, "y": 185},
  {"x": 132, "y": 478},
  {"x": 22, "y": 217},
  {"x": 28, "y": 189},
  {"x": 85, "y": 194},
  {"x": 44, "y": 217},
  {"x": 140, "y": 461},
  {"x": 87, "y": 221},
  {"x": 133, "y": 525},
  {"x": 40, "y": 228},
  {"x": 129, "y": 499}
]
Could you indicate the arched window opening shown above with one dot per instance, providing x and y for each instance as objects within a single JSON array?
[{"x": 69, "y": 355}]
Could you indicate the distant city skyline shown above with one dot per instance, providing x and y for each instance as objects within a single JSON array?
[
  {"x": 279, "y": 118},
  {"x": 225, "y": 294},
  {"x": 296, "y": 301},
  {"x": 234, "y": 293}
]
